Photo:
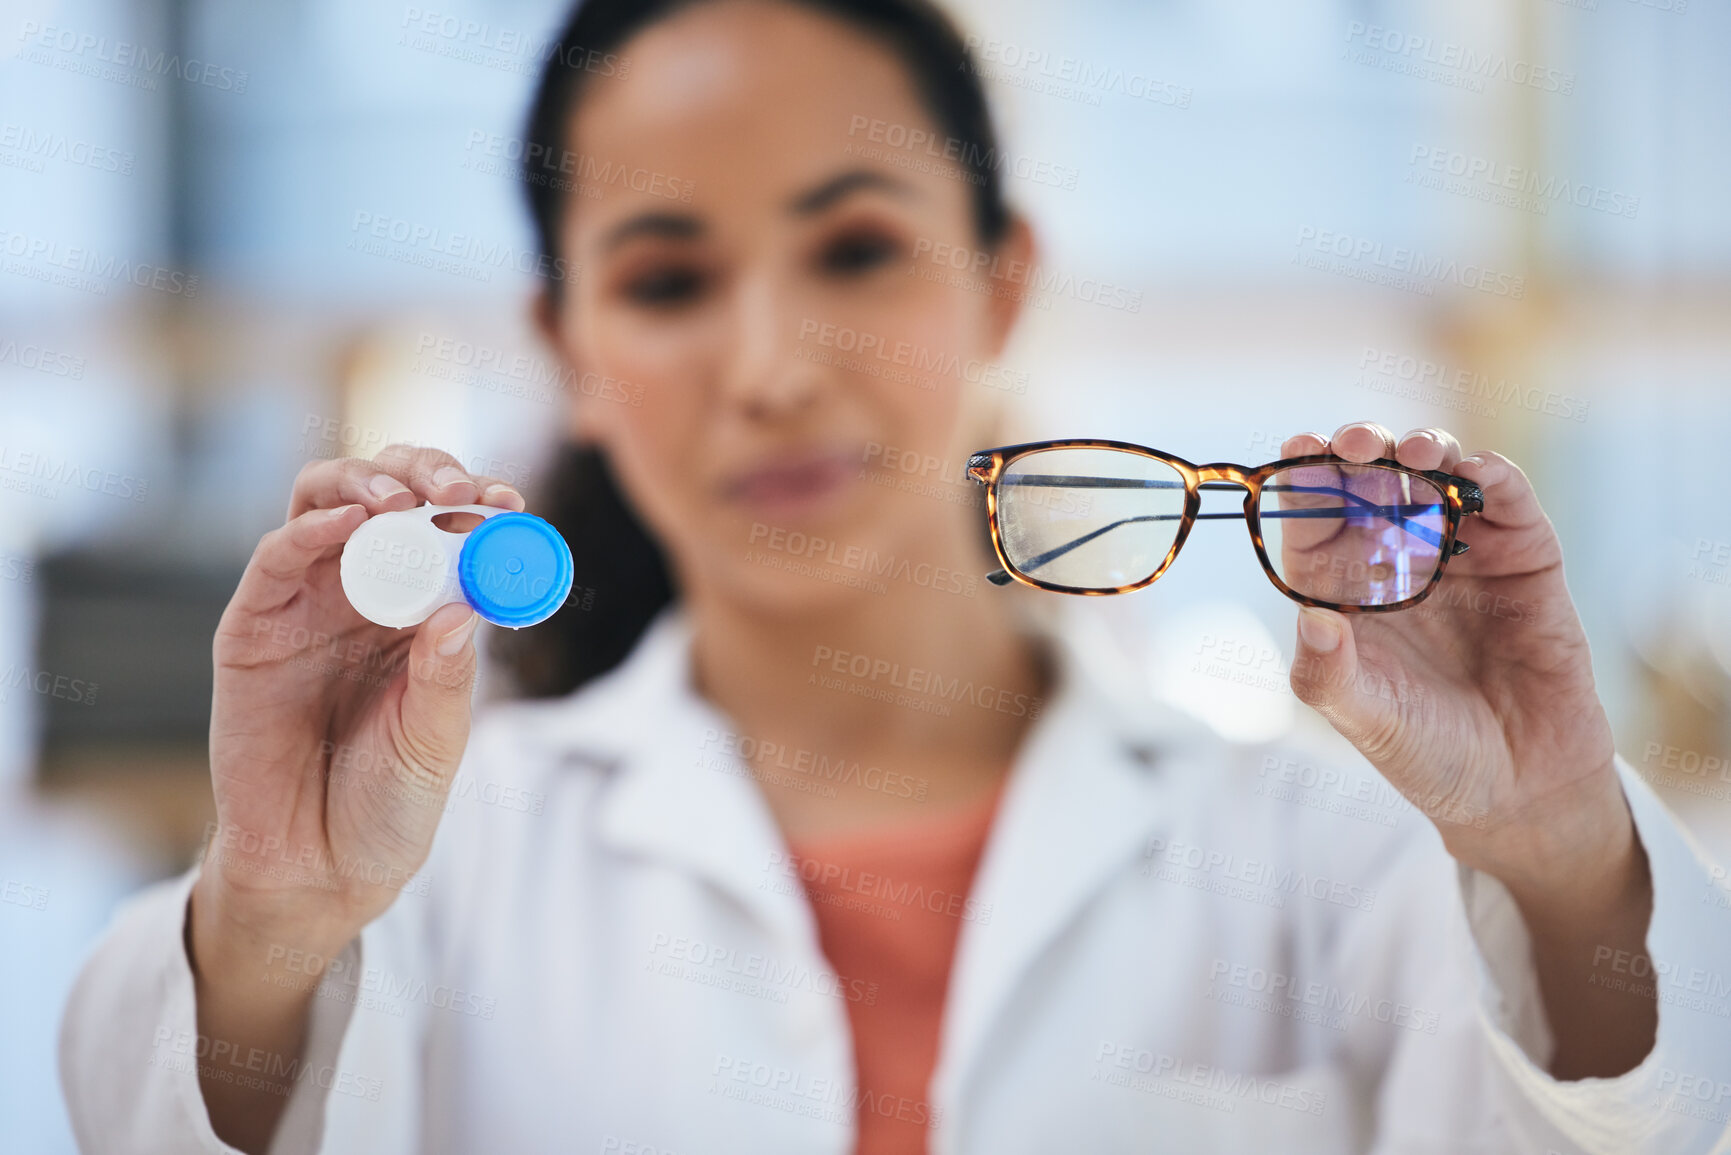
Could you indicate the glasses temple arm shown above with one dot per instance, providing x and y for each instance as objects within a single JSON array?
[
  {"x": 1398, "y": 515},
  {"x": 1472, "y": 501},
  {"x": 1395, "y": 515}
]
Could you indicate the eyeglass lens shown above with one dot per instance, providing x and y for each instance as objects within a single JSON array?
[{"x": 1102, "y": 519}]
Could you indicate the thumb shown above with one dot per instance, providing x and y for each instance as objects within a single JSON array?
[
  {"x": 1325, "y": 670},
  {"x": 435, "y": 709}
]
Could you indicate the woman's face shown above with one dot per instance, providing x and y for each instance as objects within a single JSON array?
[{"x": 760, "y": 269}]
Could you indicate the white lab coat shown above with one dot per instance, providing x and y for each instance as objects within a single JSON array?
[{"x": 1175, "y": 945}]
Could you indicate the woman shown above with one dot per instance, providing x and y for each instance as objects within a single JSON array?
[{"x": 733, "y": 893}]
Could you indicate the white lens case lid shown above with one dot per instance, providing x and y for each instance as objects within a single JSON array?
[{"x": 399, "y": 567}]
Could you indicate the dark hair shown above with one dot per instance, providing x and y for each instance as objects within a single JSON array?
[{"x": 622, "y": 579}]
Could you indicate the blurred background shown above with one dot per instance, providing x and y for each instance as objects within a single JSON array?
[{"x": 1503, "y": 217}]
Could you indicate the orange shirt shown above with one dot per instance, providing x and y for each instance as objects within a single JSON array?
[{"x": 889, "y": 906}]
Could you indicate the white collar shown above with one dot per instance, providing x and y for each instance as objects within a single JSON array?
[{"x": 1085, "y": 793}]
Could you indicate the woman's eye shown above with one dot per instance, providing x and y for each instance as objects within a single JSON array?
[
  {"x": 857, "y": 253},
  {"x": 664, "y": 287}
]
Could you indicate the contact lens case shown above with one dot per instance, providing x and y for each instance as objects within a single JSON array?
[{"x": 513, "y": 569}]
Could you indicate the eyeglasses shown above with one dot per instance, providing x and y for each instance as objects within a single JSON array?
[{"x": 1108, "y": 517}]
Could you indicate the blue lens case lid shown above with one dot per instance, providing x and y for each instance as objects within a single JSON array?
[{"x": 515, "y": 570}]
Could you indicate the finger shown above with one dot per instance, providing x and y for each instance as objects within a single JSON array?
[
  {"x": 1362, "y": 441},
  {"x": 436, "y": 699},
  {"x": 400, "y": 478},
  {"x": 1510, "y": 500},
  {"x": 324, "y": 484},
  {"x": 500, "y": 493},
  {"x": 1302, "y": 487},
  {"x": 1303, "y": 445},
  {"x": 279, "y": 564},
  {"x": 434, "y": 475},
  {"x": 1429, "y": 448},
  {"x": 1325, "y": 674}
]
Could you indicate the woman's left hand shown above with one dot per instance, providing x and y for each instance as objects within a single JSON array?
[{"x": 1477, "y": 704}]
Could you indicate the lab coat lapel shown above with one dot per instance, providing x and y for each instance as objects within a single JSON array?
[
  {"x": 678, "y": 796},
  {"x": 1084, "y": 796}
]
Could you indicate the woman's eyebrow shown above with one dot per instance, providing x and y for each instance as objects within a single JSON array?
[
  {"x": 684, "y": 227},
  {"x": 675, "y": 226},
  {"x": 840, "y": 185}
]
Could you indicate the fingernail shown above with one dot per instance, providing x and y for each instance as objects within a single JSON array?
[
  {"x": 452, "y": 643},
  {"x": 1319, "y": 629},
  {"x": 449, "y": 475},
  {"x": 384, "y": 487},
  {"x": 494, "y": 492},
  {"x": 340, "y": 511}
]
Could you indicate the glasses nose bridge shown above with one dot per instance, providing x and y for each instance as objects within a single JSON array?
[{"x": 1223, "y": 471}]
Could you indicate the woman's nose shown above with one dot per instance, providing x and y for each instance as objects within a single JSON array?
[{"x": 765, "y": 372}]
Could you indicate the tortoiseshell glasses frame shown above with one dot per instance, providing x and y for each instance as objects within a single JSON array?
[{"x": 1461, "y": 497}]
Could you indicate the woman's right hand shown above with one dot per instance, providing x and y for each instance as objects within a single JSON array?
[{"x": 333, "y": 741}]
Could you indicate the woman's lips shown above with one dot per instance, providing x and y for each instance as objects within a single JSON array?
[{"x": 794, "y": 484}]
